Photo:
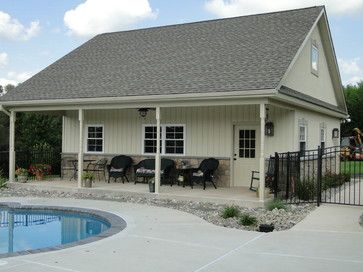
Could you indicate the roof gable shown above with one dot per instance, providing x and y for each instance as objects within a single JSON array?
[
  {"x": 235, "y": 54},
  {"x": 326, "y": 85}
]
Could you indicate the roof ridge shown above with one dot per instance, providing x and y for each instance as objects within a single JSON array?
[{"x": 206, "y": 21}]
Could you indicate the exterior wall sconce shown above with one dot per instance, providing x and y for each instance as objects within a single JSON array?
[
  {"x": 269, "y": 129},
  {"x": 143, "y": 112},
  {"x": 335, "y": 133}
]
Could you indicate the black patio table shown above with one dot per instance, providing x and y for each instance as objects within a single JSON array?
[
  {"x": 186, "y": 172},
  {"x": 75, "y": 167}
]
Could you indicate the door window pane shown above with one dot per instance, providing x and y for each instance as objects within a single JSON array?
[{"x": 247, "y": 143}]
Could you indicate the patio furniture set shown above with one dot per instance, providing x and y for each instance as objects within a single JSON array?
[{"x": 122, "y": 166}]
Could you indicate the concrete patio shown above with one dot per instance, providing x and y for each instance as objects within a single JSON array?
[
  {"x": 236, "y": 195},
  {"x": 162, "y": 239}
]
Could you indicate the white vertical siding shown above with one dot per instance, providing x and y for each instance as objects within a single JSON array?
[
  {"x": 313, "y": 122},
  {"x": 283, "y": 139},
  {"x": 208, "y": 129}
]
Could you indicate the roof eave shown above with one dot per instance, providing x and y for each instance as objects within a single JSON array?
[{"x": 147, "y": 99}]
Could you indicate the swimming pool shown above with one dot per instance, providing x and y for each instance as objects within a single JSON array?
[{"x": 29, "y": 229}]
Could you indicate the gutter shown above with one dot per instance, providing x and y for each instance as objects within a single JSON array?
[
  {"x": 4, "y": 110},
  {"x": 143, "y": 99}
]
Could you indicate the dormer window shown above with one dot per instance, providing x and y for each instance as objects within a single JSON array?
[{"x": 314, "y": 58}]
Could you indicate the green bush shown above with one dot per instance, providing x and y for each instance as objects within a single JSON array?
[
  {"x": 230, "y": 211},
  {"x": 276, "y": 203},
  {"x": 248, "y": 220},
  {"x": 306, "y": 189},
  {"x": 331, "y": 180}
]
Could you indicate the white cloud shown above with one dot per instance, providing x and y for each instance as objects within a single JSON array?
[
  {"x": 351, "y": 70},
  {"x": 12, "y": 29},
  {"x": 229, "y": 8},
  {"x": 3, "y": 59},
  {"x": 6, "y": 81},
  {"x": 15, "y": 78},
  {"x": 93, "y": 16}
]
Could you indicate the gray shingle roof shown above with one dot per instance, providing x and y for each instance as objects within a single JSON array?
[{"x": 235, "y": 54}]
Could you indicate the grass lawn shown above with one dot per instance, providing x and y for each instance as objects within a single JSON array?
[{"x": 351, "y": 167}]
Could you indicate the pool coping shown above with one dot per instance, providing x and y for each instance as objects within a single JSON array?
[{"x": 117, "y": 224}]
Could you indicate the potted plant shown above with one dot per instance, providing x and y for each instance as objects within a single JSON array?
[
  {"x": 87, "y": 178},
  {"x": 152, "y": 185},
  {"x": 40, "y": 170},
  {"x": 22, "y": 174}
]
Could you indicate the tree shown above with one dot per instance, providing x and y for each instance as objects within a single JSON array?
[
  {"x": 36, "y": 129},
  {"x": 9, "y": 87},
  {"x": 32, "y": 129},
  {"x": 354, "y": 100}
]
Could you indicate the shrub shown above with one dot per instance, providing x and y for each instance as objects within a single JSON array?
[
  {"x": 332, "y": 180},
  {"x": 276, "y": 203},
  {"x": 305, "y": 189},
  {"x": 248, "y": 220},
  {"x": 230, "y": 211},
  {"x": 21, "y": 172},
  {"x": 88, "y": 175}
]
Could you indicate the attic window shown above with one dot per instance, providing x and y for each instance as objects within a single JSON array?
[{"x": 314, "y": 59}]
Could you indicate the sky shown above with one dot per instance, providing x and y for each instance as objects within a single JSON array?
[{"x": 35, "y": 33}]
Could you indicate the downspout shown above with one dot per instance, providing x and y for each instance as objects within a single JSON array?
[{"x": 4, "y": 110}]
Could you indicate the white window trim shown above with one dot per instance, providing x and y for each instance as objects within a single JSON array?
[
  {"x": 86, "y": 139},
  {"x": 314, "y": 46},
  {"x": 306, "y": 133},
  {"x": 324, "y": 138},
  {"x": 163, "y": 139}
]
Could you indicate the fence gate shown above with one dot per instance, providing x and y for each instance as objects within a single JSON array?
[{"x": 323, "y": 175}]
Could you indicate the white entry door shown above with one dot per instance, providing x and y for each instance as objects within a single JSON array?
[{"x": 246, "y": 153}]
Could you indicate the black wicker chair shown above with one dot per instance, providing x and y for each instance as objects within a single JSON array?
[
  {"x": 145, "y": 169},
  {"x": 204, "y": 173},
  {"x": 118, "y": 167}
]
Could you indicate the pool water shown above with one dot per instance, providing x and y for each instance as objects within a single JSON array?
[{"x": 22, "y": 229}]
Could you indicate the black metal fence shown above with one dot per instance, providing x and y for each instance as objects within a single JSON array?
[
  {"x": 323, "y": 175},
  {"x": 26, "y": 158}
]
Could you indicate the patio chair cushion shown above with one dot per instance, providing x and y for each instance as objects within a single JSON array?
[
  {"x": 198, "y": 174},
  {"x": 116, "y": 169},
  {"x": 146, "y": 171}
]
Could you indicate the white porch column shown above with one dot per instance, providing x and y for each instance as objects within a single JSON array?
[
  {"x": 80, "y": 147},
  {"x": 12, "y": 146},
  {"x": 262, "y": 151},
  {"x": 157, "y": 156}
]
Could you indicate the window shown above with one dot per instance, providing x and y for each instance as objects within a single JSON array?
[
  {"x": 172, "y": 139},
  {"x": 322, "y": 137},
  {"x": 94, "y": 138},
  {"x": 247, "y": 143},
  {"x": 302, "y": 138},
  {"x": 314, "y": 59},
  {"x": 150, "y": 139}
]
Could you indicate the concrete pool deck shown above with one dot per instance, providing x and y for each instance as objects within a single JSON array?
[{"x": 161, "y": 239}]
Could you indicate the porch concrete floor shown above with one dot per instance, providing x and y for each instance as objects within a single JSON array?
[{"x": 236, "y": 195}]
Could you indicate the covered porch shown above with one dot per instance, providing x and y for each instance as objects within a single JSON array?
[{"x": 220, "y": 129}]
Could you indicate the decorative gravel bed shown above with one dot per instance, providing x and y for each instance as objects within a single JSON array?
[{"x": 211, "y": 212}]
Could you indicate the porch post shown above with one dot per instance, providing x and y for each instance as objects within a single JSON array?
[
  {"x": 80, "y": 148},
  {"x": 12, "y": 146},
  {"x": 262, "y": 151},
  {"x": 157, "y": 156}
]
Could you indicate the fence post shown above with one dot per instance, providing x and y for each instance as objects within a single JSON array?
[
  {"x": 320, "y": 175},
  {"x": 276, "y": 174},
  {"x": 287, "y": 175}
]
